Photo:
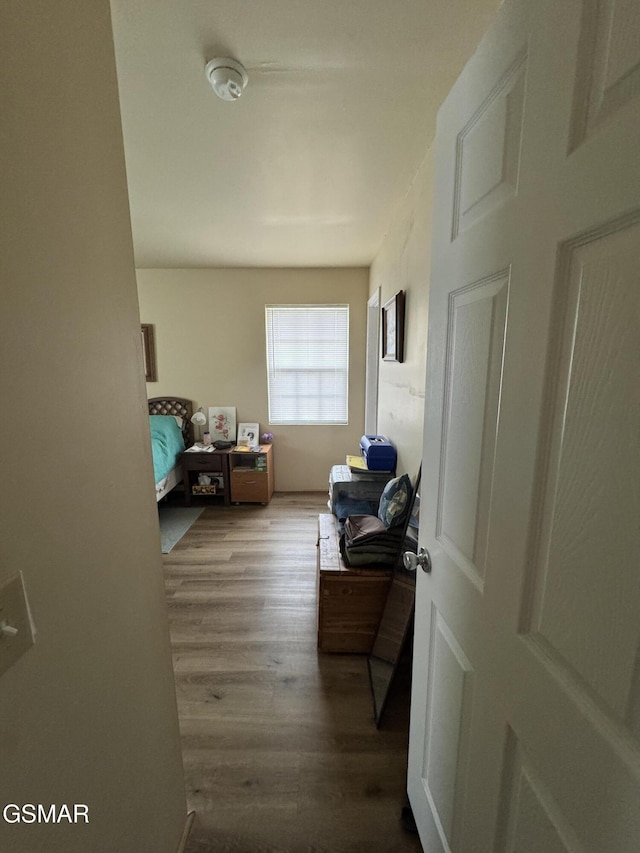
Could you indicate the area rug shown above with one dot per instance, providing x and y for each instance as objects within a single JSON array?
[{"x": 174, "y": 523}]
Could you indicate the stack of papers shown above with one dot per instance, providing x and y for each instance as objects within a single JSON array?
[
  {"x": 359, "y": 471},
  {"x": 357, "y": 463}
]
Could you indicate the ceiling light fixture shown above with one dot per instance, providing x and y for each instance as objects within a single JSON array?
[{"x": 227, "y": 78}]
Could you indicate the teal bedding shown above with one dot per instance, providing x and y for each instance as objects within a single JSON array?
[{"x": 167, "y": 444}]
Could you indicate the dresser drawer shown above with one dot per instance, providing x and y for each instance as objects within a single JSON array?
[
  {"x": 250, "y": 487},
  {"x": 202, "y": 463}
]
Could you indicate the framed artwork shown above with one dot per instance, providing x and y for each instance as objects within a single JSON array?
[
  {"x": 148, "y": 352},
  {"x": 222, "y": 423},
  {"x": 248, "y": 434},
  {"x": 393, "y": 328}
]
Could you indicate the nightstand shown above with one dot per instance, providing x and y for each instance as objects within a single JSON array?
[
  {"x": 215, "y": 463},
  {"x": 251, "y": 475}
]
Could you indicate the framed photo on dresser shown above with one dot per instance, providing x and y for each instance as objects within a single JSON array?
[{"x": 248, "y": 435}]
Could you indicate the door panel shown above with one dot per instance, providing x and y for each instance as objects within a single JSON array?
[
  {"x": 587, "y": 516},
  {"x": 526, "y": 687},
  {"x": 532, "y": 820},
  {"x": 448, "y": 715},
  {"x": 609, "y": 63},
  {"x": 488, "y": 149},
  {"x": 476, "y": 327}
]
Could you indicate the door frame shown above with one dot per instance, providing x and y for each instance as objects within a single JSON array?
[{"x": 372, "y": 364}]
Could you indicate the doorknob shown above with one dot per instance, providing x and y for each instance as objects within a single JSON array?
[{"x": 411, "y": 561}]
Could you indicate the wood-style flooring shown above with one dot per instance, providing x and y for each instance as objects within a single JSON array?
[{"x": 281, "y": 752}]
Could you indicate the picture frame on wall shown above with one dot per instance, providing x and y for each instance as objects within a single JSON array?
[
  {"x": 148, "y": 352},
  {"x": 222, "y": 423},
  {"x": 393, "y": 328},
  {"x": 248, "y": 435}
]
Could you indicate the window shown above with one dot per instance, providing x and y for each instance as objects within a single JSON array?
[{"x": 308, "y": 363}]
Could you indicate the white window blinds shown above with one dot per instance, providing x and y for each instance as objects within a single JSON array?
[{"x": 308, "y": 363}]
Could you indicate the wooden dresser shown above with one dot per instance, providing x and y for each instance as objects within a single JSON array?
[{"x": 350, "y": 600}]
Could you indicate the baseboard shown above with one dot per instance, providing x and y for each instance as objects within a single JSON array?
[{"x": 185, "y": 834}]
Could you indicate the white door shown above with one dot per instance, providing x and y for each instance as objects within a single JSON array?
[{"x": 525, "y": 727}]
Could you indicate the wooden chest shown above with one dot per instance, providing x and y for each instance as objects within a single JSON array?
[{"x": 350, "y": 600}]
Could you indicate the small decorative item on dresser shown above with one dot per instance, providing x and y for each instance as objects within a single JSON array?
[
  {"x": 204, "y": 489},
  {"x": 248, "y": 434},
  {"x": 266, "y": 437},
  {"x": 206, "y": 485}
]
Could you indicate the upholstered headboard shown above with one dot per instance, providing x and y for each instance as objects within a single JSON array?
[{"x": 177, "y": 406}]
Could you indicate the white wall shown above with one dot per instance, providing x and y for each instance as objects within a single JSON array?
[
  {"x": 210, "y": 340},
  {"x": 88, "y": 714},
  {"x": 402, "y": 263}
]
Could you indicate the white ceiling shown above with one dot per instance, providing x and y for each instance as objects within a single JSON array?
[{"x": 308, "y": 166}]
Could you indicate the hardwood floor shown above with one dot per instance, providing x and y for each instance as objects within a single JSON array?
[{"x": 280, "y": 748}]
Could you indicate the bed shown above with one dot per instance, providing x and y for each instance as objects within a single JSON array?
[{"x": 168, "y": 439}]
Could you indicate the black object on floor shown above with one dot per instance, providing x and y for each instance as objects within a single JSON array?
[{"x": 408, "y": 821}]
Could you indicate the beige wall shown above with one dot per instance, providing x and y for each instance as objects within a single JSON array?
[
  {"x": 88, "y": 714},
  {"x": 402, "y": 263},
  {"x": 210, "y": 341}
]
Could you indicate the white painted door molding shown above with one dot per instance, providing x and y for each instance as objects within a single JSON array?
[{"x": 373, "y": 364}]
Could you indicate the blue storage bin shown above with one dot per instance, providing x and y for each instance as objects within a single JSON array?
[{"x": 379, "y": 453}]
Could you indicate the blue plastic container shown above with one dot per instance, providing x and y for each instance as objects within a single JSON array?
[{"x": 379, "y": 453}]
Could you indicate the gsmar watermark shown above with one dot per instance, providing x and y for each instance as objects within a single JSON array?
[{"x": 51, "y": 813}]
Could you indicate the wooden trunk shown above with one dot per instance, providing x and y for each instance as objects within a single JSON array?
[{"x": 350, "y": 600}]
